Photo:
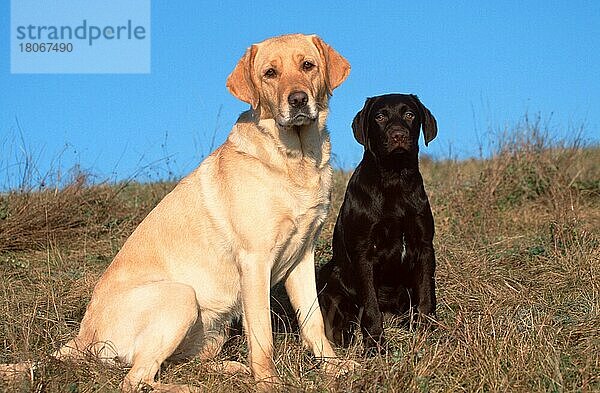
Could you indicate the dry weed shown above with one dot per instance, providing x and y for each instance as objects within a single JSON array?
[{"x": 518, "y": 248}]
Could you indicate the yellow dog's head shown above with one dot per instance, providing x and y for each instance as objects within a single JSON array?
[{"x": 288, "y": 78}]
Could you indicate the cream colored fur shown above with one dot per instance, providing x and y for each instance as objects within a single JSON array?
[{"x": 245, "y": 219}]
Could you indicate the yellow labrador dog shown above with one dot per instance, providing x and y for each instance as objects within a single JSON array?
[{"x": 244, "y": 220}]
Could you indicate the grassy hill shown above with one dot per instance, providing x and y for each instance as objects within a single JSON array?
[{"x": 518, "y": 251}]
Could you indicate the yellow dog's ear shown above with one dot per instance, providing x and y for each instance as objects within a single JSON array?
[
  {"x": 239, "y": 82},
  {"x": 337, "y": 68}
]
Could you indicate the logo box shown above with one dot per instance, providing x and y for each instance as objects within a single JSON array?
[{"x": 73, "y": 36}]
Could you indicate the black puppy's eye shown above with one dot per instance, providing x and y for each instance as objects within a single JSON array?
[
  {"x": 307, "y": 66},
  {"x": 409, "y": 116},
  {"x": 380, "y": 117},
  {"x": 270, "y": 73}
]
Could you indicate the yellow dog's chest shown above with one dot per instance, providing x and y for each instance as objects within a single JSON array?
[{"x": 307, "y": 212}]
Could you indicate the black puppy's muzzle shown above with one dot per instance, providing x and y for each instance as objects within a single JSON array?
[{"x": 398, "y": 138}]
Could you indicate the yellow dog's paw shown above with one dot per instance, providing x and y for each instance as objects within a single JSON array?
[
  {"x": 229, "y": 367},
  {"x": 17, "y": 371},
  {"x": 336, "y": 367},
  {"x": 269, "y": 384}
]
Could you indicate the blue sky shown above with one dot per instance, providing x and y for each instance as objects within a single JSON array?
[{"x": 478, "y": 66}]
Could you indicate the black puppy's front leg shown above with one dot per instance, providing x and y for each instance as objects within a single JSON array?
[
  {"x": 425, "y": 265},
  {"x": 371, "y": 322},
  {"x": 425, "y": 285}
]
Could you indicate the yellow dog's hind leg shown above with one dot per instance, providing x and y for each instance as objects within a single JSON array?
[{"x": 143, "y": 325}]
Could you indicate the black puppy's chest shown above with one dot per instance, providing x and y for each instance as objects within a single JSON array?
[{"x": 388, "y": 239}]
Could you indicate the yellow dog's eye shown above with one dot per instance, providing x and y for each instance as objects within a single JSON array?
[
  {"x": 271, "y": 73},
  {"x": 409, "y": 116},
  {"x": 307, "y": 66}
]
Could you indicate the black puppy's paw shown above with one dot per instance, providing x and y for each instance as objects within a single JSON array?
[
  {"x": 426, "y": 308},
  {"x": 371, "y": 352},
  {"x": 424, "y": 321},
  {"x": 374, "y": 347}
]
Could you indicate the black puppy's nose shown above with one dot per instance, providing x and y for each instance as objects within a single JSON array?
[
  {"x": 298, "y": 99},
  {"x": 397, "y": 135}
]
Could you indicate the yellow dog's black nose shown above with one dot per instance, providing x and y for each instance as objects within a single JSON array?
[{"x": 298, "y": 99}]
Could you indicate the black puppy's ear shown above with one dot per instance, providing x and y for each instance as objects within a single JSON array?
[
  {"x": 360, "y": 123},
  {"x": 357, "y": 128},
  {"x": 428, "y": 122}
]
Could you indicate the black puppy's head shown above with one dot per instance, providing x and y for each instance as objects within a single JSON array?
[{"x": 390, "y": 124}]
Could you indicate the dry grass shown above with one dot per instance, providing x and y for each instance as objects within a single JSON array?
[{"x": 518, "y": 250}]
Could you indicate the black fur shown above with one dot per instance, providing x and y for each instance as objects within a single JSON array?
[{"x": 383, "y": 256}]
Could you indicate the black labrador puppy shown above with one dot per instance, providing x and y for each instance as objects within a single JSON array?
[{"x": 383, "y": 257}]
